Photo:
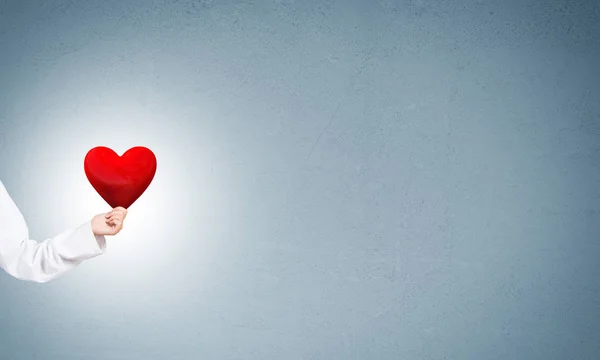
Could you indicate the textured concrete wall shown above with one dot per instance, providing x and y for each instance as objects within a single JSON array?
[{"x": 337, "y": 179}]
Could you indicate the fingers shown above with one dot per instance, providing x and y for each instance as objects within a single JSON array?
[
  {"x": 111, "y": 216},
  {"x": 110, "y": 223},
  {"x": 114, "y": 226},
  {"x": 121, "y": 211},
  {"x": 117, "y": 223},
  {"x": 114, "y": 219},
  {"x": 118, "y": 211}
]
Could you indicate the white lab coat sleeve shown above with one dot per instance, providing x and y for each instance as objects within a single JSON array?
[{"x": 27, "y": 259}]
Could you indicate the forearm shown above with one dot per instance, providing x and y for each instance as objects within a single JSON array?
[{"x": 46, "y": 260}]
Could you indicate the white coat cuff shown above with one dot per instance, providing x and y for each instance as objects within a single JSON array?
[{"x": 83, "y": 244}]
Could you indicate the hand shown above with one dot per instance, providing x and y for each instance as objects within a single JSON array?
[{"x": 109, "y": 223}]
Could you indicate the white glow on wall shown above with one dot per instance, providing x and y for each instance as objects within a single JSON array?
[
  {"x": 152, "y": 235},
  {"x": 180, "y": 215}
]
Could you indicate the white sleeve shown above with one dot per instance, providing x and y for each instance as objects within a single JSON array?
[{"x": 27, "y": 259}]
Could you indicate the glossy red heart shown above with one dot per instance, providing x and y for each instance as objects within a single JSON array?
[{"x": 120, "y": 180}]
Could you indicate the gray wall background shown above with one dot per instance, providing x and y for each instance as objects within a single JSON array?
[{"x": 337, "y": 179}]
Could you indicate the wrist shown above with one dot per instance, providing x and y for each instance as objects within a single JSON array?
[{"x": 95, "y": 227}]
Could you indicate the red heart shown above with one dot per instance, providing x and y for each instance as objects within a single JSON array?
[{"x": 120, "y": 180}]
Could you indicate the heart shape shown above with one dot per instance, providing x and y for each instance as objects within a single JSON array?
[{"x": 120, "y": 180}]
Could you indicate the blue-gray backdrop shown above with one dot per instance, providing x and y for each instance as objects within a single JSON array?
[{"x": 390, "y": 179}]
